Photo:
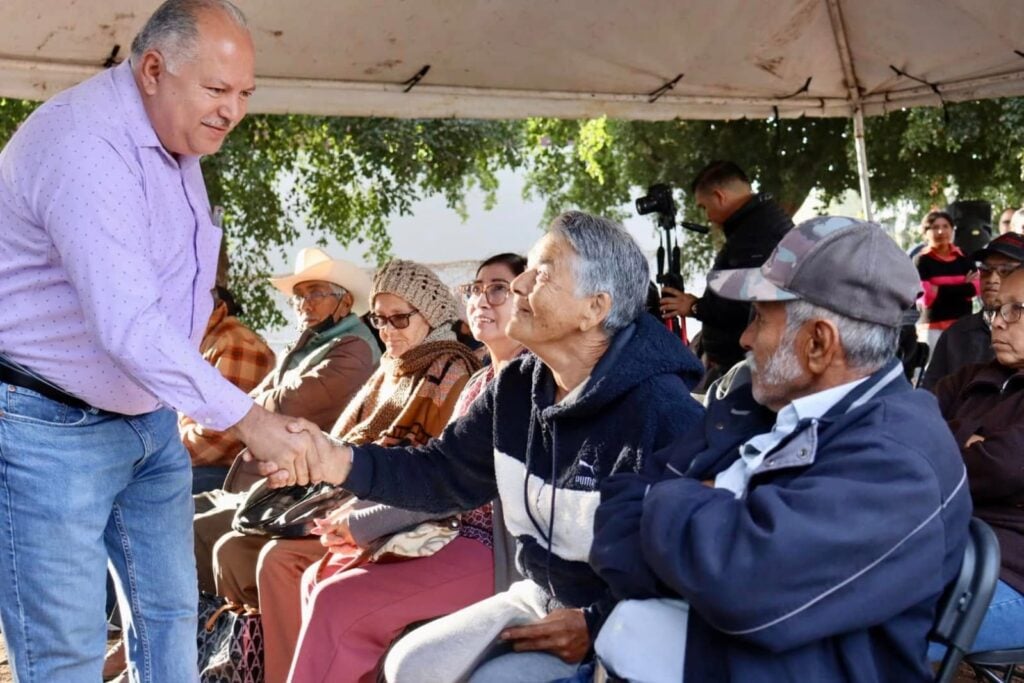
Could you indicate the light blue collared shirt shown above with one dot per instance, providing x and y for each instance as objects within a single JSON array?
[{"x": 753, "y": 450}]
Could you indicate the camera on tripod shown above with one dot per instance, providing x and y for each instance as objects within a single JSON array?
[{"x": 659, "y": 200}]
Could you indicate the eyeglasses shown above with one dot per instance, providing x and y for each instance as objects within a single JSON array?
[
  {"x": 1002, "y": 270},
  {"x": 398, "y": 321},
  {"x": 495, "y": 292},
  {"x": 312, "y": 297},
  {"x": 1010, "y": 313}
]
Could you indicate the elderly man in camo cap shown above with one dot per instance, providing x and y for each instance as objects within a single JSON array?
[{"x": 808, "y": 528}]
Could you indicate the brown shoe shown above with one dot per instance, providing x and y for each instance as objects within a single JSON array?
[{"x": 115, "y": 662}]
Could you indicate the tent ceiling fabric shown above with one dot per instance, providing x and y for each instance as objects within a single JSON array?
[{"x": 566, "y": 58}]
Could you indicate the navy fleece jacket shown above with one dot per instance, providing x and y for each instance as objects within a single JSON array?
[
  {"x": 829, "y": 569},
  {"x": 547, "y": 460}
]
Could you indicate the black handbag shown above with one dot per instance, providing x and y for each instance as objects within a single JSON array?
[{"x": 287, "y": 512}]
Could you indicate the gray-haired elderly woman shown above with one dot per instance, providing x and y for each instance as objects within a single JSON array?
[{"x": 607, "y": 386}]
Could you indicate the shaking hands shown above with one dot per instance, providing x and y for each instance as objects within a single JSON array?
[{"x": 292, "y": 450}]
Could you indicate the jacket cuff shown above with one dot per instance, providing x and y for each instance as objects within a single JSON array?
[{"x": 359, "y": 477}]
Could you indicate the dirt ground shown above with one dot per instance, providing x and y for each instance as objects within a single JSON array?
[{"x": 5, "y": 671}]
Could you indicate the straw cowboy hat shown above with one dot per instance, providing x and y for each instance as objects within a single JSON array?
[{"x": 315, "y": 264}]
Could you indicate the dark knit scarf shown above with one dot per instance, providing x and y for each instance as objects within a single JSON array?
[{"x": 371, "y": 414}]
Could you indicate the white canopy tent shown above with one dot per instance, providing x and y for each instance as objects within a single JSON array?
[{"x": 644, "y": 59}]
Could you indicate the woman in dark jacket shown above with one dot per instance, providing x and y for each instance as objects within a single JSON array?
[{"x": 983, "y": 405}]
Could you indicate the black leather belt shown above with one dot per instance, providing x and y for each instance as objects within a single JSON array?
[{"x": 27, "y": 381}]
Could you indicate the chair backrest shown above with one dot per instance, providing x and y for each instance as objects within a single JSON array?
[{"x": 963, "y": 605}]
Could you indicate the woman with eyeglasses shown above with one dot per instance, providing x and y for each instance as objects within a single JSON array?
[
  {"x": 948, "y": 279},
  {"x": 407, "y": 401},
  {"x": 605, "y": 386},
  {"x": 983, "y": 404},
  {"x": 350, "y": 617}
]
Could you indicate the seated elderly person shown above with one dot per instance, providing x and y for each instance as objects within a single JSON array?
[
  {"x": 607, "y": 387},
  {"x": 407, "y": 401},
  {"x": 969, "y": 339},
  {"x": 315, "y": 379},
  {"x": 984, "y": 405},
  {"x": 350, "y": 615},
  {"x": 807, "y": 529}
]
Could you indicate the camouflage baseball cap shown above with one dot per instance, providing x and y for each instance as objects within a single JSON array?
[{"x": 843, "y": 264}]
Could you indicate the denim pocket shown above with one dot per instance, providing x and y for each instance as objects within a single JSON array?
[{"x": 24, "y": 405}]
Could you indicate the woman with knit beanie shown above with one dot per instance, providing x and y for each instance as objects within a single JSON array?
[
  {"x": 408, "y": 400},
  {"x": 350, "y": 617}
]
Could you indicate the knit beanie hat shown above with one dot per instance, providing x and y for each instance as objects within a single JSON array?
[{"x": 420, "y": 287}]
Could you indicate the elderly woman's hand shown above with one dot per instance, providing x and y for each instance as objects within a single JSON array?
[
  {"x": 334, "y": 531},
  {"x": 563, "y": 633}
]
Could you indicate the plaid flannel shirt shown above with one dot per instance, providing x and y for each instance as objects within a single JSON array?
[{"x": 244, "y": 359}]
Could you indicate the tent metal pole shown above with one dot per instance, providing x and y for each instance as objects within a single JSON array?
[{"x": 862, "y": 162}]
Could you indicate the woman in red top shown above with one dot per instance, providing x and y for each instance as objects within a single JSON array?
[{"x": 948, "y": 278}]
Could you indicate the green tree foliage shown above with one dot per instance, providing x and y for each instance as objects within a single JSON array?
[
  {"x": 975, "y": 149},
  {"x": 344, "y": 178},
  {"x": 347, "y": 178},
  {"x": 972, "y": 150}
]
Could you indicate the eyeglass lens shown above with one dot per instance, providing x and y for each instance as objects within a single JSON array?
[
  {"x": 495, "y": 292},
  {"x": 311, "y": 297},
  {"x": 399, "y": 321},
  {"x": 1002, "y": 271},
  {"x": 1010, "y": 312}
]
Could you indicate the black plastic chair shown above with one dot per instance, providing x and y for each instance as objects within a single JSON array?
[
  {"x": 996, "y": 666},
  {"x": 965, "y": 602}
]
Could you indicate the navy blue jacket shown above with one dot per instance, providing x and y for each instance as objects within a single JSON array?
[
  {"x": 831, "y": 566},
  {"x": 546, "y": 460}
]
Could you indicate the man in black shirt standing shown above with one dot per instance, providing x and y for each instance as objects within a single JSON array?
[{"x": 753, "y": 224}]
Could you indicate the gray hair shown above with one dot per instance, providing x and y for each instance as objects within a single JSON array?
[
  {"x": 173, "y": 29},
  {"x": 608, "y": 260},
  {"x": 868, "y": 346}
]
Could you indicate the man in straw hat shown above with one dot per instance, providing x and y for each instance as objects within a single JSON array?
[
  {"x": 808, "y": 528},
  {"x": 315, "y": 379},
  {"x": 333, "y": 356}
]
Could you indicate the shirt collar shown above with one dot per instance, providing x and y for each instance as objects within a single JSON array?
[
  {"x": 127, "y": 90},
  {"x": 954, "y": 252},
  {"x": 817, "y": 404},
  {"x": 809, "y": 407},
  {"x": 139, "y": 125}
]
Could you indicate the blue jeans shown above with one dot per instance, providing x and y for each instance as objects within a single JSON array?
[
  {"x": 76, "y": 488},
  {"x": 1003, "y": 627}
]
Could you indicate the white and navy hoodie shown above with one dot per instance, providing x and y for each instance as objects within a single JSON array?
[{"x": 545, "y": 459}]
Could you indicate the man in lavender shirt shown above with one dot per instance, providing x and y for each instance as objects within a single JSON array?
[{"x": 107, "y": 257}]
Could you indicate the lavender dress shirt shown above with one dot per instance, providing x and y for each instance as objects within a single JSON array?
[{"x": 107, "y": 257}]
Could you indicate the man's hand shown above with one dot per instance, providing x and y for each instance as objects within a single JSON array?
[
  {"x": 333, "y": 459},
  {"x": 973, "y": 439},
  {"x": 282, "y": 454},
  {"x": 676, "y": 303},
  {"x": 563, "y": 633}
]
